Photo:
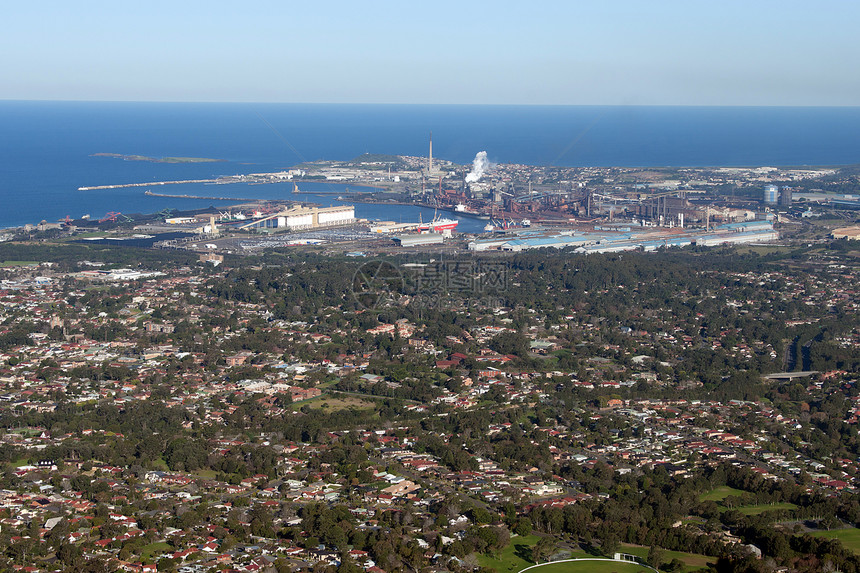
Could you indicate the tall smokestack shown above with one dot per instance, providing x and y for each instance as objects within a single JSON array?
[{"x": 430, "y": 164}]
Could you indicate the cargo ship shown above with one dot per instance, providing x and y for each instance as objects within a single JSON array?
[{"x": 438, "y": 226}]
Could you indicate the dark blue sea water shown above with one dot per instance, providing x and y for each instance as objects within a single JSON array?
[{"x": 46, "y": 147}]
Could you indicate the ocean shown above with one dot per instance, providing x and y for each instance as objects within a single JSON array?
[{"x": 47, "y": 148}]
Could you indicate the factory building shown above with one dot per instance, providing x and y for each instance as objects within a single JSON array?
[
  {"x": 556, "y": 242},
  {"x": 646, "y": 240},
  {"x": 419, "y": 239},
  {"x": 850, "y": 233},
  {"x": 736, "y": 238},
  {"x": 620, "y": 244},
  {"x": 736, "y": 233},
  {"x": 845, "y": 203},
  {"x": 302, "y": 218},
  {"x": 669, "y": 209}
]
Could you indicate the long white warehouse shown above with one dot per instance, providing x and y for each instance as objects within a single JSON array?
[{"x": 299, "y": 218}]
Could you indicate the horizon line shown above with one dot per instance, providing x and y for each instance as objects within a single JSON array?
[{"x": 424, "y": 104}]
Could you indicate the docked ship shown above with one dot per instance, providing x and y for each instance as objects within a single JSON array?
[{"x": 438, "y": 225}]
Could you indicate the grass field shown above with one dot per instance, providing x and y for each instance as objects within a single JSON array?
[
  {"x": 19, "y": 263},
  {"x": 720, "y": 493},
  {"x": 850, "y": 537},
  {"x": 335, "y": 403},
  {"x": 691, "y": 561},
  {"x": 761, "y": 508},
  {"x": 602, "y": 566},
  {"x": 515, "y": 557},
  {"x": 149, "y": 552},
  {"x": 160, "y": 464}
]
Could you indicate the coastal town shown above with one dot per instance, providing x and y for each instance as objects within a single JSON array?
[
  {"x": 279, "y": 413},
  {"x": 458, "y": 287},
  {"x": 483, "y": 207}
]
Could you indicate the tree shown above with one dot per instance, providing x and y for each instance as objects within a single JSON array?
[
  {"x": 510, "y": 343},
  {"x": 610, "y": 545},
  {"x": 543, "y": 549},
  {"x": 523, "y": 526},
  {"x": 69, "y": 554},
  {"x": 167, "y": 564},
  {"x": 655, "y": 556}
]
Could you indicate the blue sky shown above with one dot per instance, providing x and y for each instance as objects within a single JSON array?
[{"x": 644, "y": 52}]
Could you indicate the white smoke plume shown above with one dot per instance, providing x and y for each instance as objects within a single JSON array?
[{"x": 480, "y": 165}]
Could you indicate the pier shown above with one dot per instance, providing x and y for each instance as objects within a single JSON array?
[
  {"x": 126, "y": 185},
  {"x": 252, "y": 179},
  {"x": 204, "y": 197}
]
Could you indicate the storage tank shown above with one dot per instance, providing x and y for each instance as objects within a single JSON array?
[
  {"x": 785, "y": 197},
  {"x": 771, "y": 194}
]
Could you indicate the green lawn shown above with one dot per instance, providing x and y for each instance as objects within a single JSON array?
[
  {"x": 692, "y": 561},
  {"x": 160, "y": 464},
  {"x": 720, "y": 493},
  {"x": 19, "y": 263},
  {"x": 850, "y": 537},
  {"x": 602, "y": 566},
  {"x": 151, "y": 551},
  {"x": 515, "y": 557},
  {"x": 761, "y": 508}
]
